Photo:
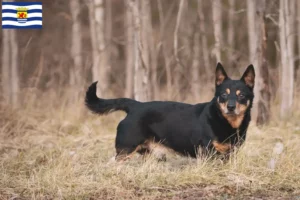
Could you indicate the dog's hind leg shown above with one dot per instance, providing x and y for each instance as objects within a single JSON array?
[
  {"x": 151, "y": 148},
  {"x": 124, "y": 154},
  {"x": 129, "y": 140}
]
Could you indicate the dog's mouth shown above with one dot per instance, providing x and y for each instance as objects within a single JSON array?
[{"x": 231, "y": 113}]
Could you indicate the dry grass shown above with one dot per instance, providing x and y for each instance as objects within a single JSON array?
[{"x": 51, "y": 150}]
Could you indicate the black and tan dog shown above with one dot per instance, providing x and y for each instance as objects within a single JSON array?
[{"x": 217, "y": 125}]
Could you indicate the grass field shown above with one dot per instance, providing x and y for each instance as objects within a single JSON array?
[{"x": 60, "y": 151}]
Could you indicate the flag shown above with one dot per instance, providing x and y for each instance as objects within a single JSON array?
[{"x": 25, "y": 15}]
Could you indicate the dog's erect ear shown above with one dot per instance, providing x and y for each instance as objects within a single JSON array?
[
  {"x": 220, "y": 74},
  {"x": 249, "y": 76}
]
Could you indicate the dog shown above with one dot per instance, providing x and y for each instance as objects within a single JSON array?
[{"x": 218, "y": 125}]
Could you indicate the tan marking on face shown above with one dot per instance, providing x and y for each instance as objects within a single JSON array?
[
  {"x": 222, "y": 148},
  {"x": 234, "y": 120},
  {"x": 223, "y": 107},
  {"x": 241, "y": 108},
  {"x": 228, "y": 91},
  {"x": 238, "y": 92}
]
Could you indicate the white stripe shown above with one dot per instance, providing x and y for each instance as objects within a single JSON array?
[
  {"x": 29, "y": 15},
  {"x": 18, "y": 24},
  {"x": 11, "y": 7}
]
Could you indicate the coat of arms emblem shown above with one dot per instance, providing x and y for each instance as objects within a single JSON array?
[{"x": 22, "y": 14}]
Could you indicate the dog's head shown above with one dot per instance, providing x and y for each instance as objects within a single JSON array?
[{"x": 234, "y": 97}]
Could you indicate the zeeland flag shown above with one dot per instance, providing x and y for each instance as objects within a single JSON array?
[{"x": 25, "y": 15}]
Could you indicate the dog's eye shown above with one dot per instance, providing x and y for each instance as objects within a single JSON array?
[
  {"x": 241, "y": 96},
  {"x": 224, "y": 95}
]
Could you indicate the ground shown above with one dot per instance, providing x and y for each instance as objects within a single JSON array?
[{"x": 65, "y": 153}]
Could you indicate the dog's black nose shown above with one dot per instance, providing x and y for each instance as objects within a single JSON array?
[{"x": 230, "y": 107}]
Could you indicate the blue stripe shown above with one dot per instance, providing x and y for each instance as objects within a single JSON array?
[
  {"x": 28, "y": 11},
  {"x": 21, "y": 3},
  {"x": 21, "y": 27},
  {"x": 28, "y": 19}
]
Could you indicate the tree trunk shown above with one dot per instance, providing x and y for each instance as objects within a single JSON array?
[
  {"x": 230, "y": 35},
  {"x": 251, "y": 31},
  {"x": 253, "y": 54},
  {"x": 205, "y": 50},
  {"x": 148, "y": 34},
  {"x": 129, "y": 53},
  {"x": 262, "y": 76},
  {"x": 6, "y": 74},
  {"x": 298, "y": 26},
  {"x": 217, "y": 21},
  {"x": 195, "y": 67},
  {"x": 15, "y": 87},
  {"x": 257, "y": 51},
  {"x": 178, "y": 67},
  {"x": 76, "y": 47},
  {"x": 100, "y": 64},
  {"x": 146, "y": 43},
  {"x": 141, "y": 92},
  {"x": 10, "y": 71},
  {"x": 287, "y": 57},
  {"x": 93, "y": 41},
  {"x": 166, "y": 54}
]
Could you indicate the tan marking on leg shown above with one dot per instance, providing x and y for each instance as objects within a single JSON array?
[
  {"x": 222, "y": 148},
  {"x": 124, "y": 156},
  {"x": 159, "y": 150}
]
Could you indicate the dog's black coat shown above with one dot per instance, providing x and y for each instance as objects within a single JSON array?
[{"x": 182, "y": 127}]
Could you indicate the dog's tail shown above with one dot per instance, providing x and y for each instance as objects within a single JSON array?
[{"x": 105, "y": 106}]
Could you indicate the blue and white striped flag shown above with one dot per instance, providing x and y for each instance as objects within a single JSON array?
[{"x": 24, "y": 15}]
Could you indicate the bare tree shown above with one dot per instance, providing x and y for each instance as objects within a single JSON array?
[
  {"x": 10, "y": 71},
  {"x": 101, "y": 66},
  {"x": 230, "y": 35},
  {"x": 217, "y": 23},
  {"x": 298, "y": 26},
  {"x": 76, "y": 47},
  {"x": 93, "y": 35},
  {"x": 257, "y": 51},
  {"x": 147, "y": 44},
  {"x": 166, "y": 53},
  {"x": 15, "y": 85},
  {"x": 148, "y": 38},
  {"x": 129, "y": 53},
  {"x": 287, "y": 56},
  {"x": 179, "y": 66},
  {"x": 253, "y": 41},
  {"x": 205, "y": 50},
  {"x": 141, "y": 72},
  {"x": 251, "y": 30},
  {"x": 6, "y": 92},
  {"x": 196, "y": 66}
]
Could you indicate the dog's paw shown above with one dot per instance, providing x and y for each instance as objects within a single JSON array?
[{"x": 112, "y": 160}]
